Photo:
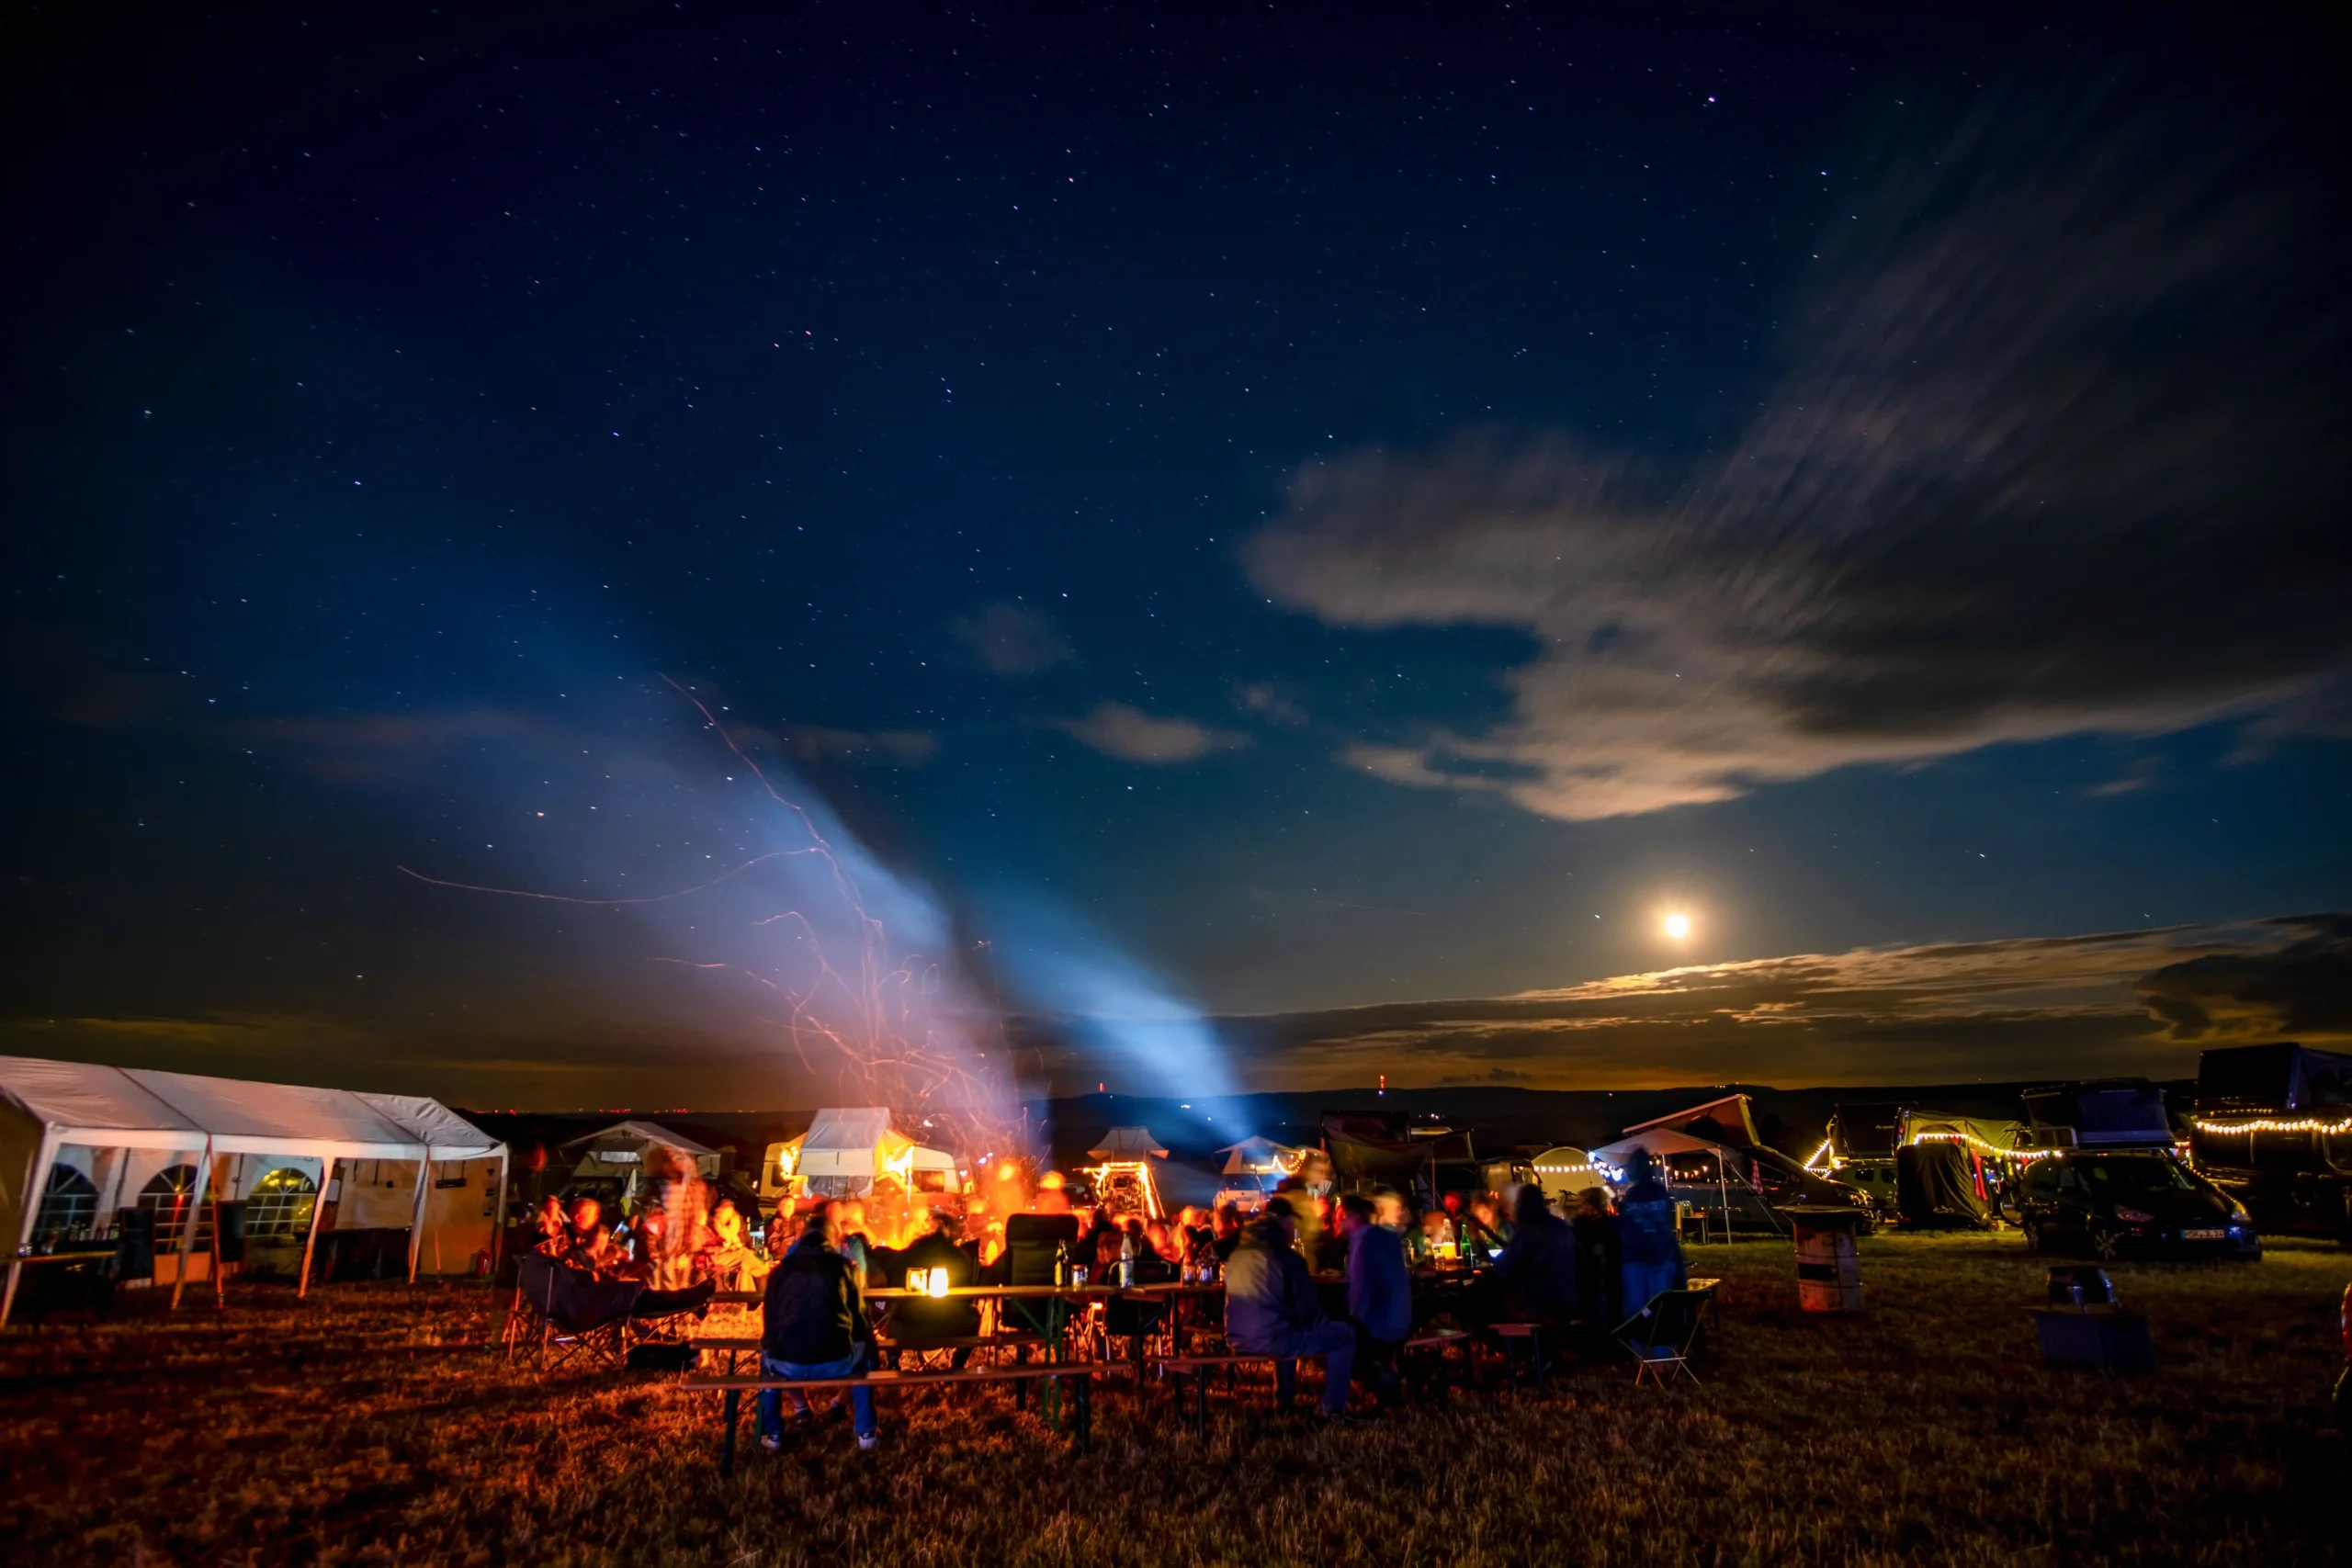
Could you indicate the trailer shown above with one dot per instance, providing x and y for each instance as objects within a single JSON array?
[{"x": 2273, "y": 1128}]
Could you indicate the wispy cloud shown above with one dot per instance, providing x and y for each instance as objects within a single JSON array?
[
  {"x": 2117, "y": 1002},
  {"x": 1133, "y": 736},
  {"x": 2057, "y": 448}
]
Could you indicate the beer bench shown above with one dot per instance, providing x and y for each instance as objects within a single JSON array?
[
  {"x": 732, "y": 1346},
  {"x": 1202, "y": 1366},
  {"x": 1080, "y": 1373}
]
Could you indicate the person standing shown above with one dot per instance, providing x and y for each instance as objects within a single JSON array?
[
  {"x": 815, "y": 1327},
  {"x": 1271, "y": 1309},
  {"x": 1380, "y": 1295},
  {"x": 1650, "y": 1250}
]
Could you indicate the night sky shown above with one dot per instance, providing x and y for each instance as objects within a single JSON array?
[{"x": 1277, "y": 543}]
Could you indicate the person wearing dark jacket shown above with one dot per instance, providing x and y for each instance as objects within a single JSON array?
[
  {"x": 1380, "y": 1295},
  {"x": 815, "y": 1327},
  {"x": 1597, "y": 1261},
  {"x": 1537, "y": 1266},
  {"x": 1651, "y": 1251},
  {"x": 1270, "y": 1308},
  {"x": 921, "y": 1324}
]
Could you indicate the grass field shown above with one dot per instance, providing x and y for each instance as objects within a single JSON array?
[{"x": 367, "y": 1425}]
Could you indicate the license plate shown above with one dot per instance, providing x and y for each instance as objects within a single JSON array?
[{"x": 2202, "y": 1235}]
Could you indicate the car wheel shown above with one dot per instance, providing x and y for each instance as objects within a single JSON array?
[{"x": 2105, "y": 1245}]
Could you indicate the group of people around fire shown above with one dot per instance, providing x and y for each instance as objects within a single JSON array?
[
  {"x": 1582, "y": 1267},
  {"x": 1584, "y": 1264}
]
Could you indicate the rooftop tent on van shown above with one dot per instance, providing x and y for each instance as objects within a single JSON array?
[{"x": 2274, "y": 1077}]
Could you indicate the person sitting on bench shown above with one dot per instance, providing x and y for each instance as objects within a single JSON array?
[
  {"x": 815, "y": 1327},
  {"x": 1537, "y": 1266},
  {"x": 1380, "y": 1295},
  {"x": 927, "y": 1324},
  {"x": 1270, "y": 1308}
]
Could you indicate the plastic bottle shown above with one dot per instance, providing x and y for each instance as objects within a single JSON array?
[{"x": 1127, "y": 1262}]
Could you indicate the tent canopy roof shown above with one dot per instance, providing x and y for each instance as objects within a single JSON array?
[
  {"x": 1728, "y": 1112},
  {"x": 1128, "y": 1142},
  {"x": 81, "y": 1102},
  {"x": 634, "y": 1131}
]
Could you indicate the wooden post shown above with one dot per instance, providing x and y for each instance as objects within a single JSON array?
[
  {"x": 187, "y": 1222},
  {"x": 416, "y": 1219},
  {"x": 311, "y": 1239},
  {"x": 498, "y": 1216},
  {"x": 220, "y": 1279}
]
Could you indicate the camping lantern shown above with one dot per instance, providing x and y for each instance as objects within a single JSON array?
[
  {"x": 919, "y": 1282},
  {"x": 936, "y": 1285}
]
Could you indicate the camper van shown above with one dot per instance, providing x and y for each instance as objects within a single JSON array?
[{"x": 2273, "y": 1127}]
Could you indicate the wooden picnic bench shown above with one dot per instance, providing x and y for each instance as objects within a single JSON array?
[
  {"x": 732, "y": 1346},
  {"x": 1081, "y": 1374}
]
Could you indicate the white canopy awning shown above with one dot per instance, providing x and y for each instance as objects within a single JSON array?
[
  {"x": 1660, "y": 1141},
  {"x": 45, "y": 1106}
]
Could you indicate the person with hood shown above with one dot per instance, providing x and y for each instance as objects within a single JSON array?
[
  {"x": 1537, "y": 1266},
  {"x": 815, "y": 1327},
  {"x": 1271, "y": 1309},
  {"x": 1650, "y": 1251}
]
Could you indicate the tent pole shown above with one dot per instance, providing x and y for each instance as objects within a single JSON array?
[
  {"x": 219, "y": 1284},
  {"x": 498, "y": 1214},
  {"x": 1723, "y": 1189},
  {"x": 310, "y": 1237},
  {"x": 188, "y": 1223},
  {"x": 416, "y": 1219}
]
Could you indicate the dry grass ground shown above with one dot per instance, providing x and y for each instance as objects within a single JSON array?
[{"x": 367, "y": 1426}]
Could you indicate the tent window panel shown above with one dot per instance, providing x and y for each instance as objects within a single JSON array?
[
  {"x": 170, "y": 1194},
  {"x": 278, "y": 1208},
  {"x": 68, "y": 1210}
]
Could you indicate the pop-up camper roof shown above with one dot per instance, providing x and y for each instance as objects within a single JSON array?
[
  {"x": 1728, "y": 1117},
  {"x": 1128, "y": 1142}
]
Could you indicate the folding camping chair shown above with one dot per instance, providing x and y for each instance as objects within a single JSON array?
[
  {"x": 572, "y": 1312},
  {"x": 1660, "y": 1335}
]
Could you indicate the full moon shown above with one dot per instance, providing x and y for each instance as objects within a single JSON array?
[{"x": 1676, "y": 925}]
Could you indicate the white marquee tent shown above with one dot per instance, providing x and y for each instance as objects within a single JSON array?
[{"x": 108, "y": 1124}]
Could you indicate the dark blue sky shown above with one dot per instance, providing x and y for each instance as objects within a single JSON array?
[{"x": 1329, "y": 507}]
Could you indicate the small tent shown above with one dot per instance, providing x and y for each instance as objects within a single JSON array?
[
  {"x": 79, "y": 1143},
  {"x": 626, "y": 1145},
  {"x": 1563, "y": 1172}
]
